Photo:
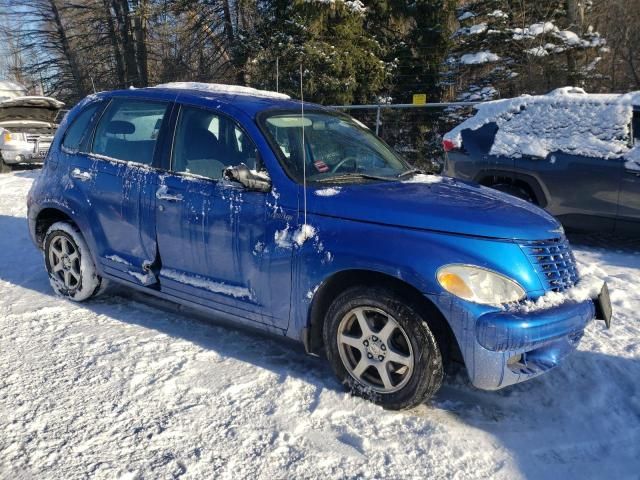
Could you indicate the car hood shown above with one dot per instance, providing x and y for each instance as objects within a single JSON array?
[
  {"x": 43, "y": 109},
  {"x": 439, "y": 204}
]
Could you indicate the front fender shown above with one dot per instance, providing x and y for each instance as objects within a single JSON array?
[{"x": 412, "y": 256}]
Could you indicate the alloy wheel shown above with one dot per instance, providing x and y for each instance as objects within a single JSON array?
[
  {"x": 64, "y": 260},
  {"x": 375, "y": 349}
]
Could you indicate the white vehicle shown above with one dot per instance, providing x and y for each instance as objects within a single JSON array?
[{"x": 27, "y": 126}]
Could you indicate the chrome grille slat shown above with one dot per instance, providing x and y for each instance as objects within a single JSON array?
[{"x": 553, "y": 261}]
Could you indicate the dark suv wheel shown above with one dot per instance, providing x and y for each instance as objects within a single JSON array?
[{"x": 381, "y": 348}]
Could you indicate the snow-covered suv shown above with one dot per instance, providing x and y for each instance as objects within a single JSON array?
[
  {"x": 27, "y": 127},
  {"x": 575, "y": 154}
]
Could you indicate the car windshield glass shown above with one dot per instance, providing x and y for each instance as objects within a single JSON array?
[{"x": 336, "y": 148}]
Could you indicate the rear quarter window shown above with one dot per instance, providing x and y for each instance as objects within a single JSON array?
[{"x": 77, "y": 130}]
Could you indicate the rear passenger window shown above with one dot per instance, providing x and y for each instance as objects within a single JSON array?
[
  {"x": 635, "y": 127},
  {"x": 206, "y": 143},
  {"x": 76, "y": 131},
  {"x": 128, "y": 130}
]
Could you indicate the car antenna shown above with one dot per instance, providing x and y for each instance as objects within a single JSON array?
[{"x": 304, "y": 157}]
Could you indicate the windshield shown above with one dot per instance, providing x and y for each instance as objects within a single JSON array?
[{"x": 336, "y": 148}]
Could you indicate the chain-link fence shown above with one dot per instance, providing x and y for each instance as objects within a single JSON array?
[{"x": 414, "y": 131}]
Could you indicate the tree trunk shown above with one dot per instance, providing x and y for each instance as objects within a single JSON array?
[
  {"x": 115, "y": 45},
  {"x": 140, "y": 34},
  {"x": 575, "y": 17},
  {"x": 121, "y": 9},
  {"x": 66, "y": 49}
]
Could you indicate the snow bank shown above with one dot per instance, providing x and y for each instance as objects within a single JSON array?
[
  {"x": 478, "y": 58},
  {"x": 633, "y": 159},
  {"x": 222, "y": 88},
  {"x": 574, "y": 122}
]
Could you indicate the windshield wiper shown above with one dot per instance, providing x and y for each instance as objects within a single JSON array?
[
  {"x": 349, "y": 176},
  {"x": 408, "y": 173}
]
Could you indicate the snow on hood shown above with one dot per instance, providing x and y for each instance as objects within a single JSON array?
[
  {"x": 222, "y": 88},
  {"x": 42, "y": 109},
  {"x": 594, "y": 125}
]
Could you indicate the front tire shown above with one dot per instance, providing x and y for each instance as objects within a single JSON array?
[
  {"x": 381, "y": 348},
  {"x": 71, "y": 270}
]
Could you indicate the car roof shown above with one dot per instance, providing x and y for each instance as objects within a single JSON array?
[{"x": 251, "y": 105}]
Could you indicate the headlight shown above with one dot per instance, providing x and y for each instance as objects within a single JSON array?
[
  {"x": 9, "y": 137},
  {"x": 479, "y": 285}
]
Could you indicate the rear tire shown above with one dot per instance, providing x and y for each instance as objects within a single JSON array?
[
  {"x": 381, "y": 348},
  {"x": 71, "y": 270}
]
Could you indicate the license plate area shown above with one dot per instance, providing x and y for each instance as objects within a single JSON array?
[{"x": 603, "y": 306}]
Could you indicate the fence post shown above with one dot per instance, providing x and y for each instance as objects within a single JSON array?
[{"x": 377, "y": 120}]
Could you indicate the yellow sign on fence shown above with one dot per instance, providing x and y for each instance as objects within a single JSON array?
[{"x": 419, "y": 98}]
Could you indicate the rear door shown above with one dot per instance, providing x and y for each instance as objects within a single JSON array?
[
  {"x": 216, "y": 239},
  {"x": 629, "y": 209},
  {"x": 118, "y": 179}
]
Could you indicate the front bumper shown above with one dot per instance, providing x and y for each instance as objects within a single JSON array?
[
  {"x": 512, "y": 347},
  {"x": 14, "y": 156},
  {"x": 503, "y": 347}
]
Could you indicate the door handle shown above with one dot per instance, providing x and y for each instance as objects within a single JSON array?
[
  {"x": 162, "y": 194},
  {"x": 81, "y": 175},
  {"x": 632, "y": 172}
]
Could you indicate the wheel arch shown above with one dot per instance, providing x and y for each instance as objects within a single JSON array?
[
  {"x": 339, "y": 281},
  {"x": 529, "y": 182},
  {"x": 52, "y": 213},
  {"x": 47, "y": 217}
]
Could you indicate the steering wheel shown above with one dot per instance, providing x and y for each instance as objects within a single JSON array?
[{"x": 342, "y": 162}]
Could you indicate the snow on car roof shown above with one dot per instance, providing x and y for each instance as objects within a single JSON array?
[
  {"x": 223, "y": 88},
  {"x": 565, "y": 120}
]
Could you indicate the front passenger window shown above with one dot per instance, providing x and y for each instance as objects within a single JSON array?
[{"x": 206, "y": 143}]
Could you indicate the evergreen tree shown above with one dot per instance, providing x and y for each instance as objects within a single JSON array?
[
  {"x": 341, "y": 61},
  {"x": 503, "y": 49}
]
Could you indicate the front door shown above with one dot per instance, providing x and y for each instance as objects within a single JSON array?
[
  {"x": 216, "y": 239},
  {"x": 118, "y": 181}
]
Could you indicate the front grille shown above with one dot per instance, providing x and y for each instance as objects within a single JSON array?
[{"x": 554, "y": 263}]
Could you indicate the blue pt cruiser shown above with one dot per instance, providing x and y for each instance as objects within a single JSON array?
[{"x": 300, "y": 222}]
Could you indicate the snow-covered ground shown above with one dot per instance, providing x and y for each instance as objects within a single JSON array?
[{"x": 119, "y": 388}]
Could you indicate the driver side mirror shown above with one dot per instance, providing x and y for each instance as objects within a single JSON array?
[{"x": 257, "y": 181}]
